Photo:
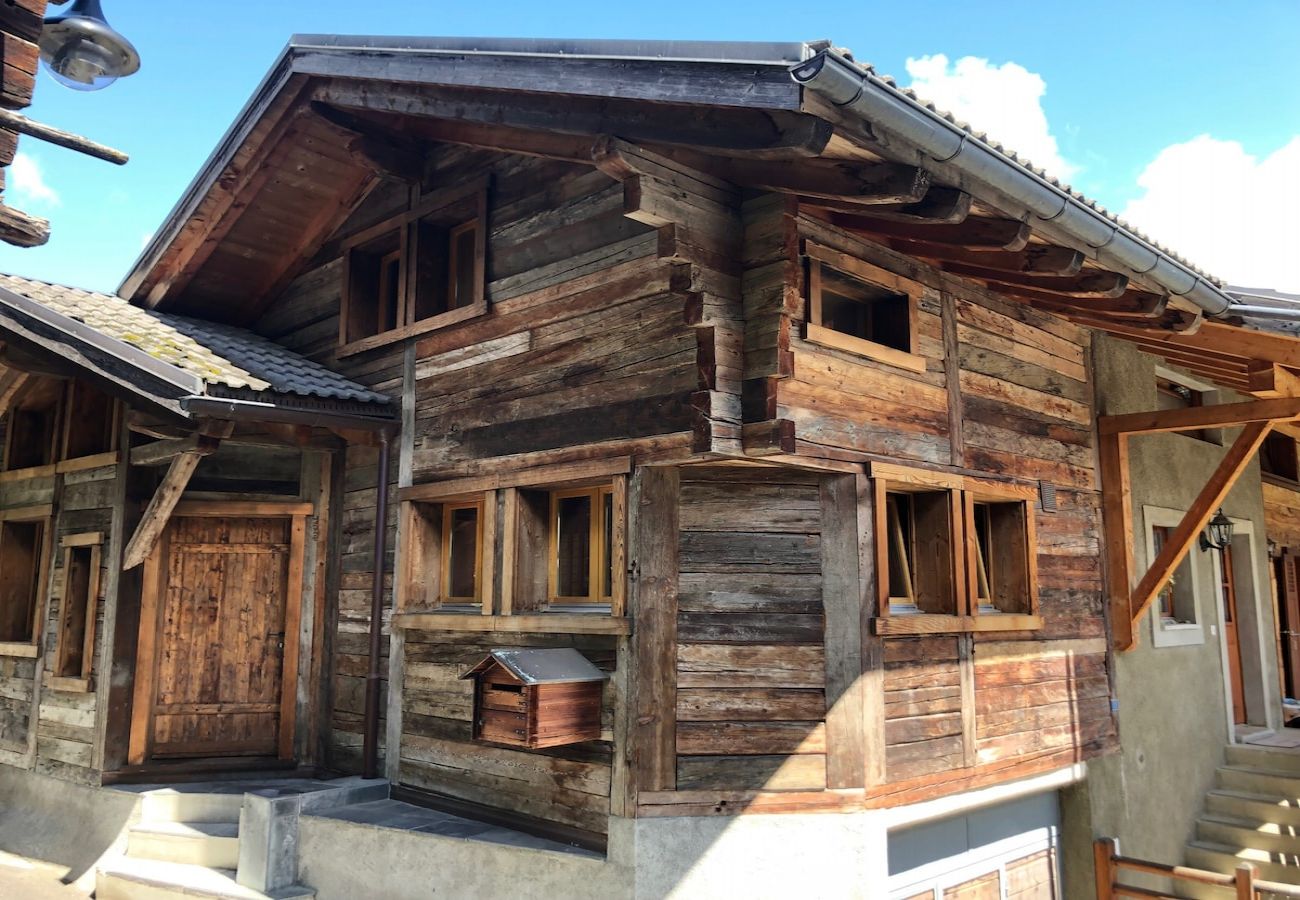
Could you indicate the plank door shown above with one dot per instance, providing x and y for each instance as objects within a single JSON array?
[
  {"x": 223, "y": 613},
  {"x": 1230, "y": 635}
]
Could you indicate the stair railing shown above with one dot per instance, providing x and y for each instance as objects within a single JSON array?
[{"x": 1110, "y": 867}]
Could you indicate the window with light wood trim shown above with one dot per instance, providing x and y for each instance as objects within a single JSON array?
[
  {"x": 953, "y": 553},
  {"x": 462, "y": 552},
  {"x": 422, "y": 269},
  {"x": 581, "y": 539},
  {"x": 22, "y": 564},
  {"x": 859, "y": 308},
  {"x": 447, "y": 553},
  {"x": 1000, "y": 558},
  {"x": 75, "y": 655}
]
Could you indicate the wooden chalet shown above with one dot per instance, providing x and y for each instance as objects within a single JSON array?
[{"x": 733, "y": 367}]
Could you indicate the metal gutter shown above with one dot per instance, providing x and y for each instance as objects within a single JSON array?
[
  {"x": 256, "y": 411},
  {"x": 961, "y": 157},
  {"x": 110, "y": 346},
  {"x": 1281, "y": 313}
]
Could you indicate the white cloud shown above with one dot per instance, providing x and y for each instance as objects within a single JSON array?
[
  {"x": 1228, "y": 212},
  {"x": 1005, "y": 101},
  {"x": 25, "y": 180},
  {"x": 145, "y": 239}
]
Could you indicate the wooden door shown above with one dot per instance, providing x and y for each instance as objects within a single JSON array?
[
  {"x": 1230, "y": 635},
  {"x": 218, "y": 639}
]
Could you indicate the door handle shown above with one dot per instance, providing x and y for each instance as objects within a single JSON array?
[{"x": 278, "y": 636}]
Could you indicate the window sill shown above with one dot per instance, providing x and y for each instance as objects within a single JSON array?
[
  {"x": 926, "y": 623},
  {"x": 70, "y": 685},
  {"x": 19, "y": 648},
  {"x": 433, "y": 323},
  {"x": 539, "y": 623},
  {"x": 826, "y": 337}
]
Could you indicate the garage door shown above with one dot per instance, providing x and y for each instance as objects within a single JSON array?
[{"x": 1004, "y": 852}]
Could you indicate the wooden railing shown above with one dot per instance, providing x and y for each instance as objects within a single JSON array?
[{"x": 1111, "y": 866}]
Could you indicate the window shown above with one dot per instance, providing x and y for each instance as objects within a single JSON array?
[
  {"x": 81, "y": 570},
  {"x": 1174, "y": 393},
  {"x": 1001, "y": 560},
  {"x": 448, "y": 552},
  {"x": 953, "y": 553},
  {"x": 90, "y": 426},
  {"x": 582, "y": 527},
  {"x": 32, "y": 425},
  {"x": 422, "y": 269},
  {"x": 1174, "y": 619},
  {"x": 1277, "y": 456},
  {"x": 462, "y": 545},
  {"x": 22, "y": 551},
  {"x": 860, "y": 308},
  {"x": 921, "y": 552}
]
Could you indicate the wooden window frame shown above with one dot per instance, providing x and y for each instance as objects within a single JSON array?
[
  {"x": 521, "y": 600},
  {"x": 44, "y": 516},
  {"x": 82, "y": 681},
  {"x": 963, "y": 492},
  {"x": 424, "y": 578},
  {"x": 984, "y": 495},
  {"x": 1173, "y": 633},
  {"x": 52, "y": 452},
  {"x": 407, "y": 223},
  {"x": 600, "y": 556},
  {"x": 445, "y": 596},
  {"x": 814, "y": 332}
]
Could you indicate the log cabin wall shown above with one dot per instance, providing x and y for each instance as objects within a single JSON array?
[{"x": 50, "y": 721}]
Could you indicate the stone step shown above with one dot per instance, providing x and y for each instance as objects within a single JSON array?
[
  {"x": 148, "y": 879},
  {"x": 1278, "y": 840},
  {"x": 1223, "y": 858},
  {"x": 1259, "y": 781},
  {"x": 1259, "y": 808},
  {"x": 212, "y": 844},
  {"x": 170, "y": 805},
  {"x": 1283, "y": 762}
]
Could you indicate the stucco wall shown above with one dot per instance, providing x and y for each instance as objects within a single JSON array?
[{"x": 1173, "y": 716}]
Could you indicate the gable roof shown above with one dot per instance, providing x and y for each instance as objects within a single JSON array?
[
  {"x": 553, "y": 665},
  {"x": 196, "y": 359}
]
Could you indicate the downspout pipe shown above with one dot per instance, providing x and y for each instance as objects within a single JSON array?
[
  {"x": 370, "y": 730},
  {"x": 948, "y": 149}
]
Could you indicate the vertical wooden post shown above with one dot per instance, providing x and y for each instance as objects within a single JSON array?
[
  {"x": 1103, "y": 859},
  {"x": 1117, "y": 520},
  {"x": 842, "y": 603},
  {"x": 655, "y": 636},
  {"x": 1245, "y": 881},
  {"x": 872, "y": 680}
]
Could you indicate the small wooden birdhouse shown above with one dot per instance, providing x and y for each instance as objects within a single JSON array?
[{"x": 536, "y": 698}]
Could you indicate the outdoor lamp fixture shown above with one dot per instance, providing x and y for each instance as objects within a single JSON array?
[
  {"x": 82, "y": 50},
  {"x": 1218, "y": 532}
]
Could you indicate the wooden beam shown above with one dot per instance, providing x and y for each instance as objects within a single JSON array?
[
  {"x": 1117, "y": 520},
  {"x": 1041, "y": 259},
  {"x": 17, "y": 122},
  {"x": 1136, "y": 305},
  {"x": 164, "y": 451},
  {"x": 988, "y": 234},
  {"x": 1089, "y": 283},
  {"x": 732, "y": 131},
  {"x": 1211, "y": 497},
  {"x": 159, "y": 511},
  {"x": 842, "y": 600},
  {"x": 1222, "y": 415},
  {"x": 1266, "y": 346},
  {"x": 940, "y": 205},
  {"x": 856, "y": 183},
  {"x": 378, "y": 148},
  {"x": 654, "y": 607},
  {"x": 21, "y": 229},
  {"x": 1271, "y": 381},
  {"x": 1171, "y": 323}
]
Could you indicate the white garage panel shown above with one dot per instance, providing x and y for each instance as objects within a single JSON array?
[{"x": 1003, "y": 852}]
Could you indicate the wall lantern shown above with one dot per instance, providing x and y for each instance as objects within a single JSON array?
[
  {"x": 82, "y": 50},
  {"x": 1218, "y": 532}
]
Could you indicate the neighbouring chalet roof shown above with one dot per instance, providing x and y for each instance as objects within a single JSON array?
[
  {"x": 542, "y": 666},
  {"x": 200, "y": 359},
  {"x": 798, "y": 106}
]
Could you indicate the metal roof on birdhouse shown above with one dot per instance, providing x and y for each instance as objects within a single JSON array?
[{"x": 549, "y": 666}]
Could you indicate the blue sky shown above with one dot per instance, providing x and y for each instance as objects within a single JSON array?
[{"x": 1127, "y": 84}]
